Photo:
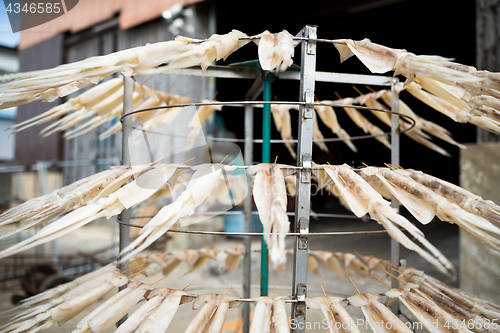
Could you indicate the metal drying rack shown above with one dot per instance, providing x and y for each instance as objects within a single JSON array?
[{"x": 307, "y": 76}]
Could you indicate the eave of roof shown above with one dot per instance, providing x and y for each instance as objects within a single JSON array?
[{"x": 90, "y": 12}]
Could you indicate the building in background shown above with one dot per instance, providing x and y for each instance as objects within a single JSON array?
[
  {"x": 9, "y": 63},
  {"x": 96, "y": 28}
]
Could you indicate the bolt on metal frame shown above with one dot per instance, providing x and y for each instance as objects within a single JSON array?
[{"x": 308, "y": 76}]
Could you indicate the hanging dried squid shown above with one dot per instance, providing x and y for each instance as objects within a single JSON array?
[
  {"x": 211, "y": 317},
  {"x": 377, "y": 315},
  {"x": 269, "y": 315},
  {"x": 78, "y": 194},
  {"x": 362, "y": 122},
  {"x": 275, "y": 50},
  {"x": 200, "y": 186},
  {"x": 282, "y": 121},
  {"x": 155, "y": 316},
  {"x": 362, "y": 199},
  {"x": 60, "y": 304},
  {"x": 62, "y": 80},
  {"x": 424, "y": 203},
  {"x": 462, "y": 92},
  {"x": 112, "y": 310},
  {"x": 269, "y": 192},
  {"x": 329, "y": 118},
  {"x": 109, "y": 202}
]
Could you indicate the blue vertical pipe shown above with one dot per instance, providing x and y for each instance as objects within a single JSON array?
[{"x": 266, "y": 158}]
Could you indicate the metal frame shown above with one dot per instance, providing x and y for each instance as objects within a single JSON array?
[{"x": 307, "y": 76}]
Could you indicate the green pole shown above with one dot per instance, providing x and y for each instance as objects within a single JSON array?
[{"x": 266, "y": 158}]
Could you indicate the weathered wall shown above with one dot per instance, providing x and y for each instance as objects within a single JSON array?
[
  {"x": 487, "y": 47},
  {"x": 480, "y": 265},
  {"x": 479, "y": 165},
  {"x": 30, "y": 148}
]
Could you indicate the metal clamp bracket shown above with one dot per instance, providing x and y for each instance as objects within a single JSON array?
[
  {"x": 305, "y": 173},
  {"x": 301, "y": 292},
  {"x": 303, "y": 233}
]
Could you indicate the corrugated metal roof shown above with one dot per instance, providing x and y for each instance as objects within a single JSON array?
[{"x": 90, "y": 12}]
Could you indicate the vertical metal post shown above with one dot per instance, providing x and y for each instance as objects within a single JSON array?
[
  {"x": 394, "y": 161},
  {"x": 128, "y": 90},
  {"x": 254, "y": 91},
  {"x": 43, "y": 182},
  {"x": 266, "y": 158},
  {"x": 304, "y": 158},
  {"x": 247, "y": 269}
]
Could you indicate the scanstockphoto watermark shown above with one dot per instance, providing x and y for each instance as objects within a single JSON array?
[
  {"x": 26, "y": 14},
  {"x": 456, "y": 324},
  {"x": 326, "y": 324}
]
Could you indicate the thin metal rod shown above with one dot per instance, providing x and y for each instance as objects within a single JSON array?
[
  {"x": 128, "y": 90},
  {"x": 256, "y": 234},
  {"x": 266, "y": 158},
  {"x": 325, "y": 233},
  {"x": 128, "y": 87},
  {"x": 395, "y": 135},
  {"x": 257, "y": 103},
  {"x": 352, "y": 138},
  {"x": 214, "y": 213},
  {"x": 304, "y": 160},
  {"x": 247, "y": 259}
]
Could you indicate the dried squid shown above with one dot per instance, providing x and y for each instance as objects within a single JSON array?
[
  {"x": 417, "y": 132},
  {"x": 379, "y": 317},
  {"x": 197, "y": 121},
  {"x": 159, "y": 261},
  {"x": 424, "y": 203},
  {"x": 200, "y": 186},
  {"x": 445, "y": 294},
  {"x": 157, "y": 313},
  {"x": 381, "y": 59},
  {"x": 62, "y": 80},
  {"x": 281, "y": 117},
  {"x": 362, "y": 122},
  {"x": 269, "y": 315},
  {"x": 60, "y": 304},
  {"x": 213, "y": 313},
  {"x": 102, "y": 104},
  {"x": 329, "y": 118},
  {"x": 204, "y": 52},
  {"x": 87, "y": 99},
  {"x": 109, "y": 202},
  {"x": 269, "y": 193},
  {"x": 362, "y": 199},
  {"x": 275, "y": 50},
  {"x": 475, "y": 92},
  {"x": 452, "y": 111},
  {"x": 338, "y": 319},
  {"x": 476, "y": 320},
  {"x": 70, "y": 197},
  {"x": 111, "y": 311},
  {"x": 432, "y": 317},
  {"x": 344, "y": 264}
]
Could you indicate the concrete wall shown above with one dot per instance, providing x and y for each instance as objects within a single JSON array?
[{"x": 480, "y": 265}]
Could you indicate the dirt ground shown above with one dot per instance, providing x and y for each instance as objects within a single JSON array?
[{"x": 208, "y": 280}]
